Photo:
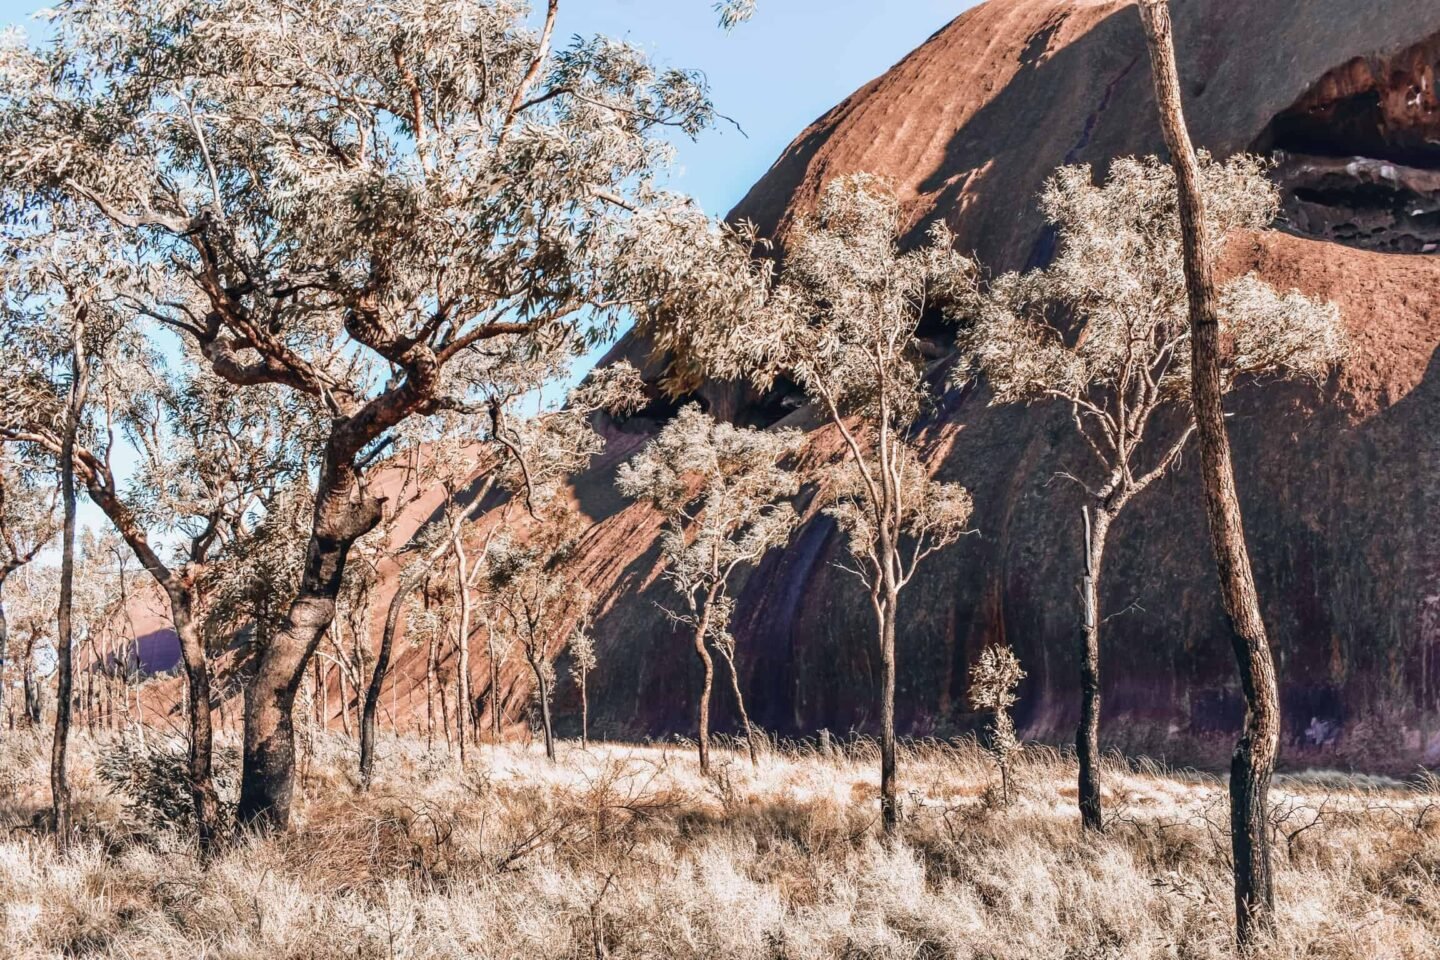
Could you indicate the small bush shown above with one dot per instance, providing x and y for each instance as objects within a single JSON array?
[{"x": 154, "y": 781}]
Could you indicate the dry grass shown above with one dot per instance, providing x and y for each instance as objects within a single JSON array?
[{"x": 628, "y": 852}]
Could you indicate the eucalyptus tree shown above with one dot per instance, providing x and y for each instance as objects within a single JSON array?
[
  {"x": 1117, "y": 286},
  {"x": 583, "y": 661},
  {"x": 34, "y": 598},
  {"x": 1253, "y": 763},
  {"x": 850, "y": 342},
  {"x": 57, "y": 326},
  {"x": 350, "y": 196},
  {"x": 842, "y": 324},
  {"x": 533, "y": 592},
  {"x": 95, "y": 606},
  {"x": 530, "y": 458},
  {"x": 993, "y": 680},
  {"x": 27, "y": 526},
  {"x": 718, "y": 487}
]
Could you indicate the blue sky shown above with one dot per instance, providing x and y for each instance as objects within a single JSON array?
[{"x": 795, "y": 61}]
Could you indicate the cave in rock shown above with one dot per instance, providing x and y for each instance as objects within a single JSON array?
[{"x": 1357, "y": 158}]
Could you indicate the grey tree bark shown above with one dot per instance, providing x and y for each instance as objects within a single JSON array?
[
  {"x": 344, "y": 512},
  {"x": 65, "y": 629},
  {"x": 1087, "y": 737}
]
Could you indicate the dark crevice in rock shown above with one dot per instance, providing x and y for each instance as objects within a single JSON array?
[
  {"x": 1357, "y": 158},
  {"x": 1362, "y": 202}
]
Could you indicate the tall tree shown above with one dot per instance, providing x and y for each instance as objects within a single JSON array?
[
  {"x": 203, "y": 454},
  {"x": 719, "y": 489},
  {"x": 841, "y": 323},
  {"x": 64, "y": 639},
  {"x": 27, "y": 525},
  {"x": 534, "y": 593},
  {"x": 1117, "y": 288},
  {"x": 352, "y": 196},
  {"x": 1253, "y": 763}
]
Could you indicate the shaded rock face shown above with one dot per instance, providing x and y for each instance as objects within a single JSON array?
[{"x": 1338, "y": 480}]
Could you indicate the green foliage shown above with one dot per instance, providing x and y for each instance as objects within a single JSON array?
[{"x": 154, "y": 780}]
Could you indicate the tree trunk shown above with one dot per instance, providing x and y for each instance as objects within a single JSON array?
[
  {"x": 740, "y": 704},
  {"x": 463, "y": 708},
  {"x": 444, "y": 716},
  {"x": 708, "y": 665},
  {"x": 65, "y": 629},
  {"x": 267, "y": 784},
  {"x": 1087, "y": 737},
  {"x": 495, "y": 704},
  {"x": 344, "y": 512},
  {"x": 377, "y": 679},
  {"x": 317, "y": 683},
  {"x": 584, "y": 714},
  {"x": 542, "y": 688},
  {"x": 1253, "y": 763},
  {"x": 90, "y": 692},
  {"x": 201, "y": 756},
  {"x": 34, "y": 708},
  {"x": 406, "y": 586},
  {"x": 344, "y": 697},
  {"x": 889, "y": 806},
  {"x": 4, "y": 639},
  {"x": 341, "y": 675},
  {"x": 182, "y": 593},
  {"x": 430, "y": 692}
]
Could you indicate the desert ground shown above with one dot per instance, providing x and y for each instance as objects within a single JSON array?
[{"x": 626, "y": 851}]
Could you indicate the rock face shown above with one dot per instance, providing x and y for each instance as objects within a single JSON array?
[{"x": 1338, "y": 482}]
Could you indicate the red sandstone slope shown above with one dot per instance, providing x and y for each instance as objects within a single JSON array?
[
  {"x": 970, "y": 124},
  {"x": 1339, "y": 483}
]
